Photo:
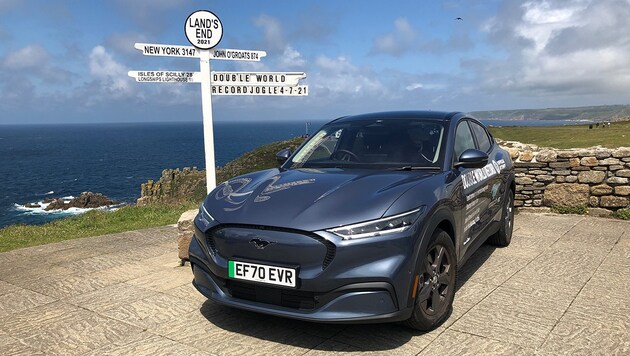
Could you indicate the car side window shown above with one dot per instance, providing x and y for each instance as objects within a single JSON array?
[
  {"x": 482, "y": 137},
  {"x": 463, "y": 140}
]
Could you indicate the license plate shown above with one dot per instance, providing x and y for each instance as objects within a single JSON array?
[{"x": 280, "y": 276}]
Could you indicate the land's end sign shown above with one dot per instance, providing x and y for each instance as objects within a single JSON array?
[{"x": 203, "y": 29}]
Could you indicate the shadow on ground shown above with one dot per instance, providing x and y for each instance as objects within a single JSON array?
[{"x": 346, "y": 337}]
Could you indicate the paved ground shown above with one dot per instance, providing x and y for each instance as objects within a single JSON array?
[{"x": 562, "y": 287}]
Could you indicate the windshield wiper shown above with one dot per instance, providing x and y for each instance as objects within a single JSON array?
[{"x": 415, "y": 168}]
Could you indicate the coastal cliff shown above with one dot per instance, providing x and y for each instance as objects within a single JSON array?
[{"x": 189, "y": 184}]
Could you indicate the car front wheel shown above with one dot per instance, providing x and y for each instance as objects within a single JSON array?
[{"x": 436, "y": 284}]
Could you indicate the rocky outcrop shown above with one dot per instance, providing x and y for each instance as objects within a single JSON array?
[
  {"x": 595, "y": 177},
  {"x": 185, "y": 231},
  {"x": 87, "y": 200},
  {"x": 174, "y": 185}
]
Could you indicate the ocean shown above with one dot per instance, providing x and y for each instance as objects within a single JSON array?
[{"x": 45, "y": 161}]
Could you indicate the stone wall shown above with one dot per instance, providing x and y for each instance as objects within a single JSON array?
[{"x": 595, "y": 177}]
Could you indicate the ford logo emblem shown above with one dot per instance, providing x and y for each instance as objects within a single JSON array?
[{"x": 260, "y": 244}]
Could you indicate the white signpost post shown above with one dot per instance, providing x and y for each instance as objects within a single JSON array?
[{"x": 204, "y": 31}]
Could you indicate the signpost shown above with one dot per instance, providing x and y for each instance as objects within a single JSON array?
[{"x": 204, "y": 31}]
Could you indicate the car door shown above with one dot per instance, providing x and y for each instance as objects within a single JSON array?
[
  {"x": 496, "y": 184},
  {"x": 474, "y": 214}
]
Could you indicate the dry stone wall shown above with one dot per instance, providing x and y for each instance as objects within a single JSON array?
[{"x": 597, "y": 177}]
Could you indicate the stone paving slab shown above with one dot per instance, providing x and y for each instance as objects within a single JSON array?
[{"x": 561, "y": 287}]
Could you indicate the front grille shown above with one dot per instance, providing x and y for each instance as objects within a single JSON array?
[
  {"x": 330, "y": 247},
  {"x": 289, "y": 298}
]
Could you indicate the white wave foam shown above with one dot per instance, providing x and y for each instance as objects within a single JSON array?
[
  {"x": 41, "y": 209},
  {"x": 49, "y": 193}
]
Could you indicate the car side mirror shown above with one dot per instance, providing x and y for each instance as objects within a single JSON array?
[
  {"x": 472, "y": 158},
  {"x": 283, "y": 155}
]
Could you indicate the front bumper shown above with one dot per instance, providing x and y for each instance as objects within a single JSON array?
[{"x": 366, "y": 280}]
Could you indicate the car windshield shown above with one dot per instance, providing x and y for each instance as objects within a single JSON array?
[{"x": 374, "y": 144}]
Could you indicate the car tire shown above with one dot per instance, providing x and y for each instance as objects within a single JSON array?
[
  {"x": 436, "y": 284},
  {"x": 503, "y": 237}
]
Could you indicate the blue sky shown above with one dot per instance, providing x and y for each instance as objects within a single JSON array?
[{"x": 66, "y": 61}]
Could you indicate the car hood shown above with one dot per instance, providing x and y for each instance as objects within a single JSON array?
[{"x": 309, "y": 199}]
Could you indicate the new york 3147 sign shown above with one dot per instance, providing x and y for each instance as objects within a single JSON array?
[{"x": 204, "y": 31}]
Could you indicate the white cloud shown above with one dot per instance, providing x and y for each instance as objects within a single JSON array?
[
  {"x": 291, "y": 58},
  {"x": 111, "y": 74},
  {"x": 272, "y": 31},
  {"x": 30, "y": 56},
  {"x": 566, "y": 48},
  {"x": 398, "y": 42},
  {"x": 340, "y": 76}
]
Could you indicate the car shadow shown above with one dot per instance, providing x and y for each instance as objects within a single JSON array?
[{"x": 326, "y": 337}]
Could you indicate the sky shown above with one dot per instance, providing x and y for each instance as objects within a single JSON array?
[{"x": 66, "y": 61}]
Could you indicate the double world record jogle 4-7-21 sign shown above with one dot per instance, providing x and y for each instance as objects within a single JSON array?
[{"x": 204, "y": 31}]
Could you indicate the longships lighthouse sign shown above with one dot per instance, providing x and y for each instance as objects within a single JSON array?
[{"x": 204, "y": 31}]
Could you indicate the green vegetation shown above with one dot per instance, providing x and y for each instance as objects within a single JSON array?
[
  {"x": 92, "y": 223},
  {"x": 261, "y": 158},
  {"x": 580, "y": 210},
  {"x": 570, "y": 136},
  {"x": 623, "y": 214},
  {"x": 591, "y": 113}
]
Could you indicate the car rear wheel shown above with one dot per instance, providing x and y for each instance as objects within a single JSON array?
[
  {"x": 436, "y": 284},
  {"x": 503, "y": 237}
]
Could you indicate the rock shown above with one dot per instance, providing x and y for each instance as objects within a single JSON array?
[
  {"x": 87, "y": 200},
  {"x": 599, "y": 212},
  {"x": 621, "y": 152},
  {"x": 615, "y": 167},
  {"x": 609, "y": 161},
  {"x": 567, "y": 194},
  {"x": 617, "y": 180},
  {"x": 48, "y": 200},
  {"x": 546, "y": 156},
  {"x": 567, "y": 154},
  {"x": 32, "y": 205},
  {"x": 523, "y": 180},
  {"x": 574, "y": 162},
  {"x": 613, "y": 202},
  {"x": 593, "y": 201},
  {"x": 545, "y": 178},
  {"x": 513, "y": 151},
  {"x": 566, "y": 164},
  {"x": 571, "y": 179},
  {"x": 526, "y": 156},
  {"x": 589, "y": 161},
  {"x": 623, "y": 173},
  {"x": 622, "y": 190},
  {"x": 601, "y": 189},
  {"x": 56, "y": 204},
  {"x": 600, "y": 154},
  {"x": 591, "y": 177},
  {"x": 185, "y": 231}
]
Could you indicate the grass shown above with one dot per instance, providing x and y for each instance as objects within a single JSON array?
[
  {"x": 570, "y": 136},
  {"x": 92, "y": 223},
  {"x": 580, "y": 210},
  {"x": 623, "y": 214}
]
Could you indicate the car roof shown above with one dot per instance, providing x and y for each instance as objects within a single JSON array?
[{"x": 409, "y": 114}]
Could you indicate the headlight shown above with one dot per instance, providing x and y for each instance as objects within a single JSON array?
[
  {"x": 205, "y": 214},
  {"x": 388, "y": 225}
]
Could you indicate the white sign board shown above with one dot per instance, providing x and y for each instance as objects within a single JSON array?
[
  {"x": 237, "y": 54},
  {"x": 257, "y": 78},
  {"x": 268, "y": 90},
  {"x": 165, "y": 50},
  {"x": 165, "y": 76},
  {"x": 203, "y": 29}
]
